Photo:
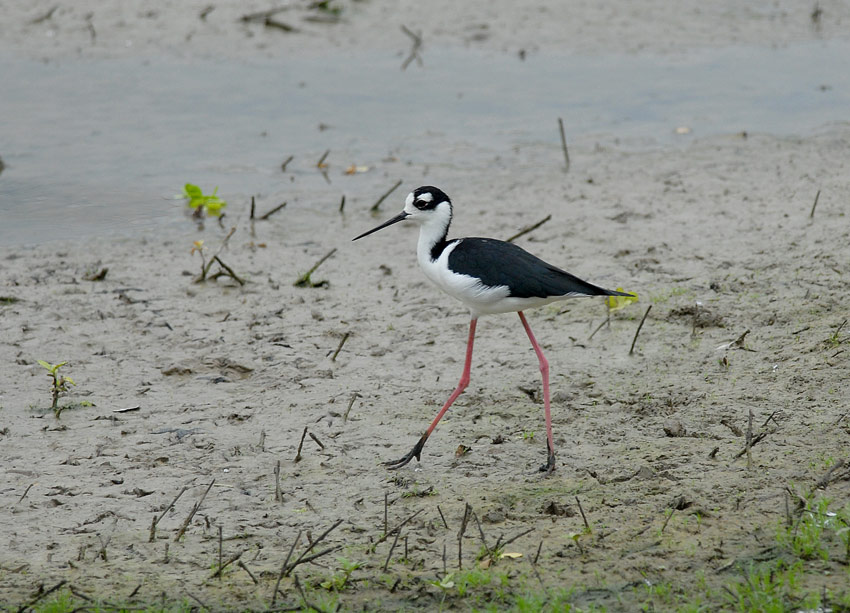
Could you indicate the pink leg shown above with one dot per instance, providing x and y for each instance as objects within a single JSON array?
[
  {"x": 464, "y": 381},
  {"x": 544, "y": 370}
]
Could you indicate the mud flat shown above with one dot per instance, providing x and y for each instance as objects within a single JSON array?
[{"x": 706, "y": 470}]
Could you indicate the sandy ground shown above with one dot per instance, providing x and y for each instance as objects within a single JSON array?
[{"x": 227, "y": 377}]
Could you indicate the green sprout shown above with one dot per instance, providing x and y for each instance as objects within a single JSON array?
[
  {"x": 61, "y": 383},
  {"x": 209, "y": 204}
]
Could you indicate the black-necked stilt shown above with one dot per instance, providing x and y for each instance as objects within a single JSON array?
[{"x": 489, "y": 276}]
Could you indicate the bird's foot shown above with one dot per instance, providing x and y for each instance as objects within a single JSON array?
[
  {"x": 549, "y": 466},
  {"x": 413, "y": 453}
]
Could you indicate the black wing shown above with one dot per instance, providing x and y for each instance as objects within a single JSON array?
[{"x": 498, "y": 263}]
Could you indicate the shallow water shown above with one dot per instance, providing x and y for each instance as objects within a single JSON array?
[{"x": 94, "y": 148}]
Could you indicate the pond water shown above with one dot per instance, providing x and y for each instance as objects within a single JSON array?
[{"x": 95, "y": 147}]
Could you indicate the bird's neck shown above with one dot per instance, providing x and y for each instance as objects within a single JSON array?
[{"x": 432, "y": 238}]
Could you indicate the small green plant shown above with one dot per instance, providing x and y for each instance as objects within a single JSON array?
[
  {"x": 805, "y": 538},
  {"x": 528, "y": 436},
  {"x": 60, "y": 383},
  {"x": 340, "y": 579},
  {"x": 203, "y": 204}
]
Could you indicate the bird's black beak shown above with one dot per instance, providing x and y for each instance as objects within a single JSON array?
[{"x": 400, "y": 217}]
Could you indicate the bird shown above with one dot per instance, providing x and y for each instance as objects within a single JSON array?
[{"x": 489, "y": 276}]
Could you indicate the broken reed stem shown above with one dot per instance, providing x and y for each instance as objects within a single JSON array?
[
  {"x": 354, "y": 397},
  {"x": 220, "y": 539},
  {"x": 460, "y": 532},
  {"x": 386, "y": 504},
  {"x": 226, "y": 563},
  {"x": 481, "y": 534},
  {"x": 192, "y": 512},
  {"x": 253, "y": 206},
  {"x": 41, "y": 595},
  {"x": 283, "y": 568},
  {"x": 640, "y": 325},
  {"x": 301, "y": 558},
  {"x": 812, "y": 214},
  {"x": 286, "y": 163},
  {"x": 440, "y": 511},
  {"x": 265, "y": 216},
  {"x": 414, "y": 50},
  {"x": 392, "y": 547},
  {"x": 583, "y": 516},
  {"x": 824, "y": 481},
  {"x": 667, "y": 519},
  {"x": 339, "y": 347},
  {"x": 277, "y": 495},
  {"x": 386, "y": 534},
  {"x": 599, "y": 327},
  {"x": 206, "y": 269},
  {"x": 300, "y": 445},
  {"x": 229, "y": 271},
  {"x": 384, "y": 197},
  {"x": 537, "y": 555},
  {"x": 749, "y": 444},
  {"x": 528, "y": 229},
  {"x": 320, "y": 163},
  {"x": 26, "y": 491},
  {"x": 513, "y": 538},
  {"x": 564, "y": 144},
  {"x": 305, "y": 278},
  {"x": 159, "y": 519},
  {"x": 317, "y": 441},
  {"x": 342, "y": 203},
  {"x": 241, "y": 565}
]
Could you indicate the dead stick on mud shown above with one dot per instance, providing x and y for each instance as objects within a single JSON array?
[
  {"x": 278, "y": 497},
  {"x": 226, "y": 563},
  {"x": 564, "y": 144},
  {"x": 229, "y": 271},
  {"x": 756, "y": 439},
  {"x": 384, "y": 197},
  {"x": 640, "y": 325},
  {"x": 390, "y": 554},
  {"x": 317, "y": 441},
  {"x": 193, "y": 511},
  {"x": 599, "y": 327},
  {"x": 41, "y": 595},
  {"x": 206, "y": 269},
  {"x": 286, "y": 163},
  {"x": 386, "y": 535},
  {"x": 24, "y": 495},
  {"x": 528, "y": 229},
  {"x": 300, "y": 445},
  {"x": 583, "y": 516},
  {"x": 321, "y": 162},
  {"x": 304, "y": 280},
  {"x": 241, "y": 565},
  {"x": 812, "y": 214},
  {"x": 301, "y": 558},
  {"x": 386, "y": 505},
  {"x": 481, "y": 534},
  {"x": 354, "y": 397},
  {"x": 342, "y": 204},
  {"x": 283, "y": 568},
  {"x": 749, "y": 444},
  {"x": 824, "y": 481},
  {"x": 513, "y": 538},
  {"x": 537, "y": 555},
  {"x": 460, "y": 532},
  {"x": 339, "y": 347},
  {"x": 159, "y": 519},
  {"x": 667, "y": 519},
  {"x": 253, "y": 207},
  {"x": 272, "y": 212},
  {"x": 414, "y": 50},
  {"x": 440, "y": 511}
]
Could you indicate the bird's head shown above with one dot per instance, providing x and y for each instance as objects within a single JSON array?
[{"x": 425, "y": 205}]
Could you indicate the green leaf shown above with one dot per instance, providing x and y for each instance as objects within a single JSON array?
[
  {"x": 615, "y": 303},
  {"x": 47, "y": 365}
]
